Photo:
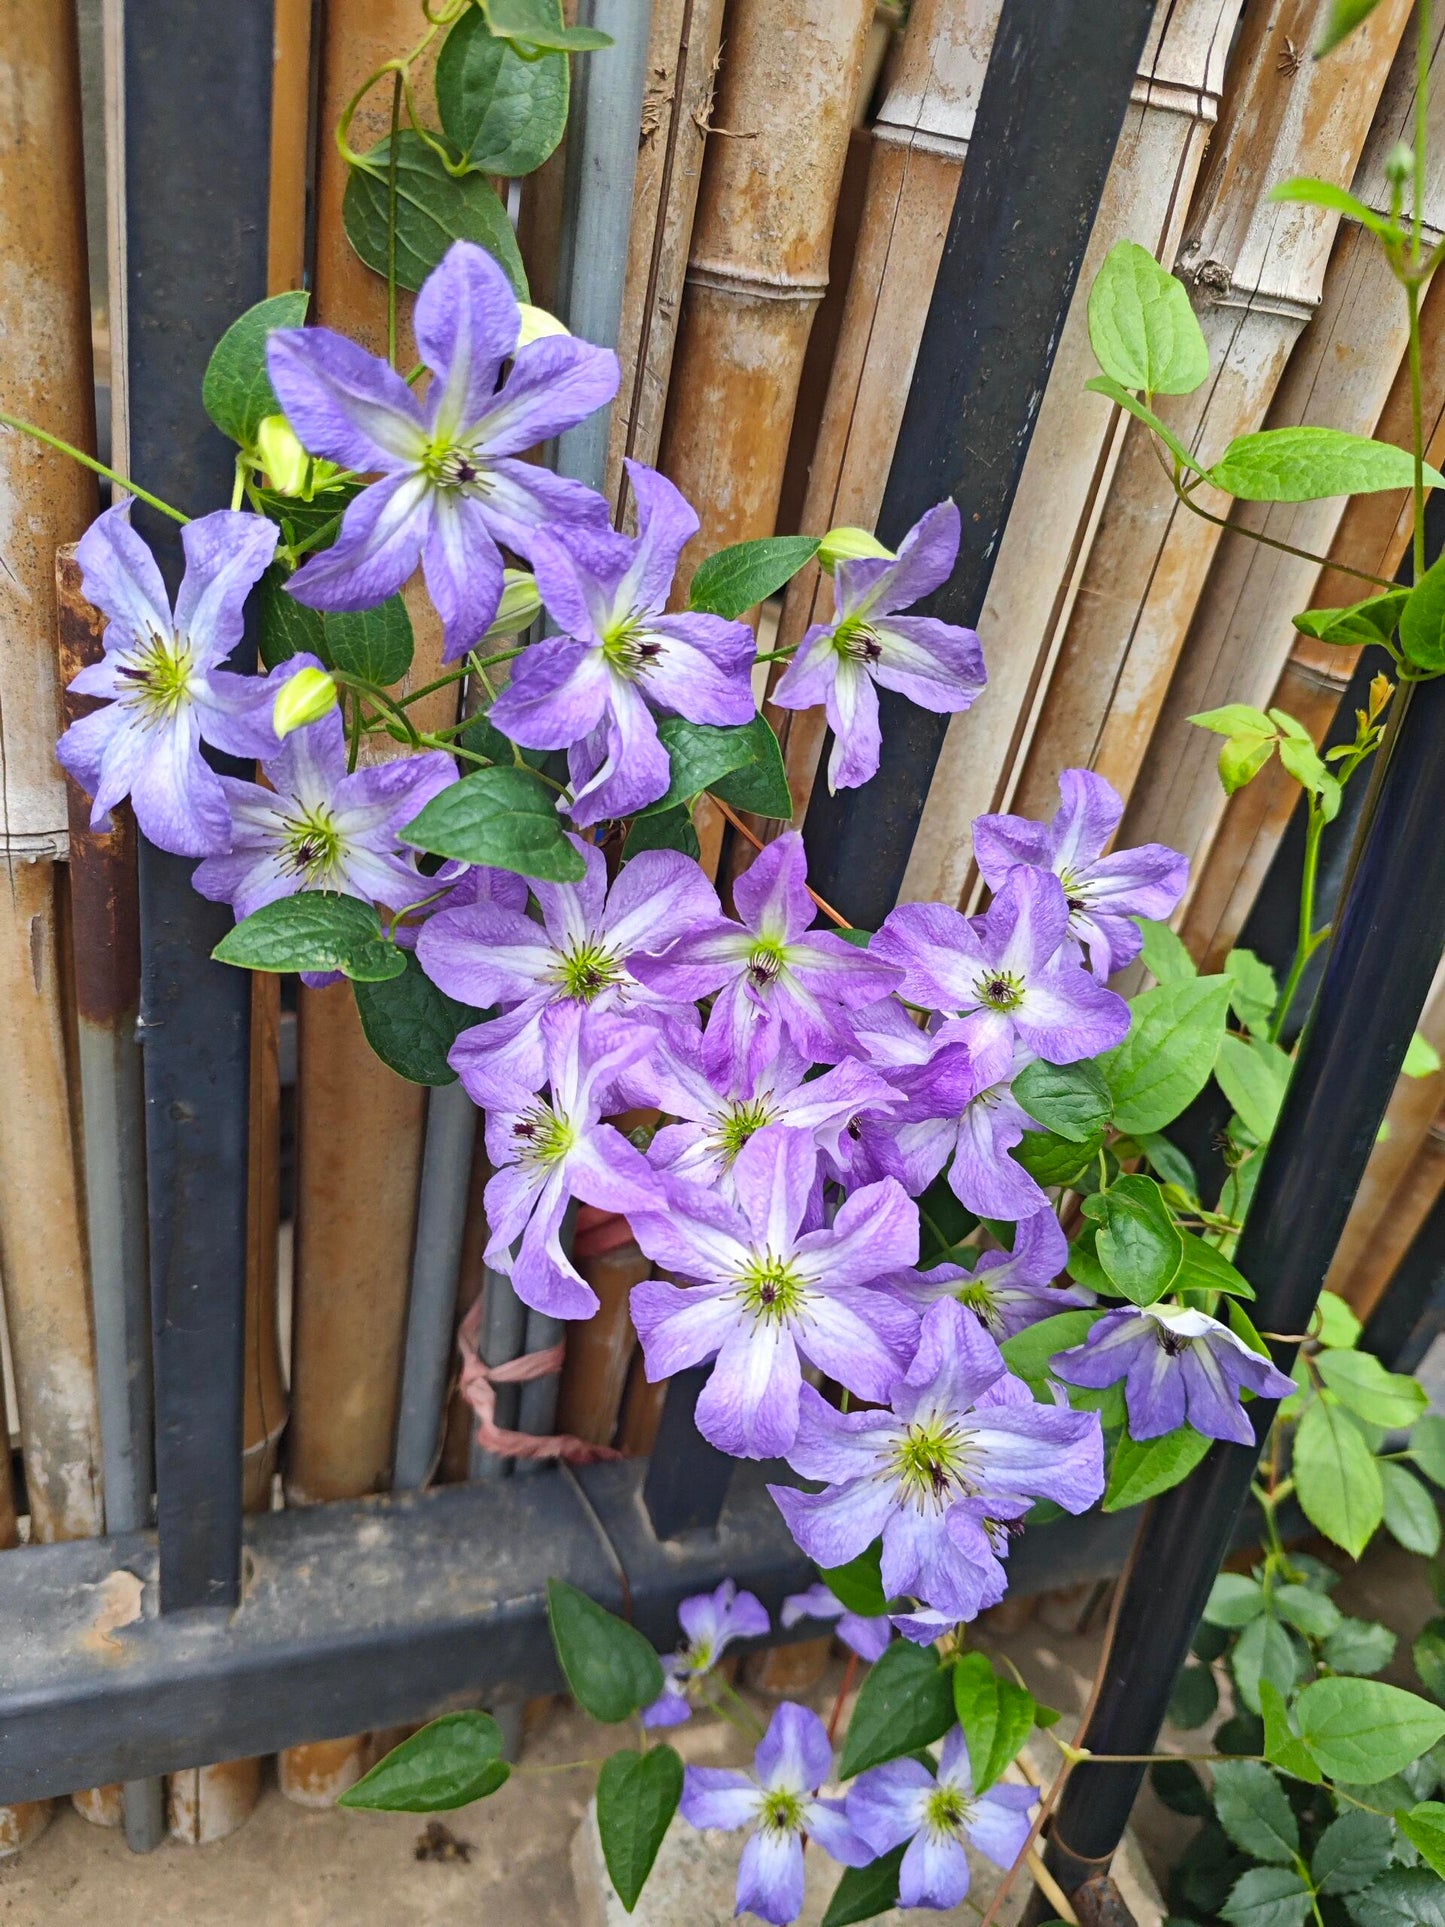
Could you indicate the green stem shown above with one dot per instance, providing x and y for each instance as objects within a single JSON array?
[
  {"x": 1285, "y": 548},
  {"x": 354, "y": 746},
  {"x": 1417, "y": 420},
  {"x": 740, "y": 1703},
  {"x": 89, "y": 461},
  {"x": 1305, "y": 942},
  {"x": 393, "y": 154}
]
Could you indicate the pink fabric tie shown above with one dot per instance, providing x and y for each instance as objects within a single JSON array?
[{"x": 478, "y": 1382}]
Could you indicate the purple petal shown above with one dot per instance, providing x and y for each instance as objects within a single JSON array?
[
  {"x": 483, "y": 955},
  {"x": 935, "y": 1871},
  {"x": 226, "y": 555},
  {"x": 379, "y": 545},
  {"x": 921, "y": 1559},
  {"x": 935, "y": 664},
  {"x": 794, "y": 1755},
  {"x": 717, "y": 1796},
  {"x": 678, "y": 1328},
  {"x": 773, "y": 1177},
  {"x": 1026, "y": 922},
  {"x": 344, "y": 403},
  {"x": 852, "y": 711},
  {"x": 1001, "y": 1822},
  {"x": 554, "y": 384},
  {"x": 120, "y": 576},
  {"x": 868, "y": 1638},
  {"x": 463, "y": 568},
  {"x": 938, "y": 951},
  {"x": 466, "y": 323},
  {"x": 522, "y": 498},
  {"x": 874, "y": 1233},
  {"x": 666, "y": 523},
  {"x": 1212, "y": 1404},
  {"x": 1066, "y": 1014},
  {"x": 500, "y": 1062},
  {"x": 925, "y": 559},
  {"x": 817, "y": 1602},
  {"x": 886, "y": 1804},
  {"x": 835, "y": 1526},
  {"x": 771, "y": 895},
  {"x": 659, "y": 896},
  {"x": 838, "y": 1446},
  {"x": 983, "y": 1177},
  {"x": 956, "y": 1364},
  {"x": 1001, "y": 842},
  {"x": 770, "y": 1877},
  {"x": 1089, "y": 812},
  {"x": 176, "y": 795},
  {"x": 861, "y": 1338},
  {"x": 702, "y": 670},
  {"x": 826, "y": 1822},
  {"x": 559, "y": 690},
  {"x": 621, "y": 766},
  {"x": 749, "y": 1406}
]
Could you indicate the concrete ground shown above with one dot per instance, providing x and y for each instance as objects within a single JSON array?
[{"x": 288, "y": 1867}]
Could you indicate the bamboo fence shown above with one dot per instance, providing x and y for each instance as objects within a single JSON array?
[{"x": 1112, "y": 615}]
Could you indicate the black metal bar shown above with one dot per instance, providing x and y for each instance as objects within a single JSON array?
[
  {"x": 1387, "y": 944},
  {"x": 1049, "y": 115},
  {"x": 687, "y": 1479},
  {"x": 197, "y": 113}
]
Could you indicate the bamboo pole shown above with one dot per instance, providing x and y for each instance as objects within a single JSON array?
[
  {"x": 291, "y": 146},
  {"x": 1256, "y": 271},
  {"x": 1075, "y": 447},
  {"x": 599, "y": 1352},
  {"x": 1394, "y": 1231},
  {"x": 682, "y": 60},
  {"x": 460, "y": 1421},
  {"x": 1340, "y": 374}
]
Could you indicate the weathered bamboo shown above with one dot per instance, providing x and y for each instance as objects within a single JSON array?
[
  {"x": 1373, "y": 534},
  {"x": 1340, "y": 374},
  {"x": 46, "y": 378},
  {"x": 599, "y": 1352},
  {"x": 1256, "y": 272},
  {"x": 681, "y": 63},
  {"x": 460, "y": 1420},
  {"x": 1409, "y": 1205},
  {"x": 1075, "y": 445},
  {"x": 291, "y": 98}
]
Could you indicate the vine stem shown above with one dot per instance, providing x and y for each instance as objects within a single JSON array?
[
  {"x": 1273, "y": 542},
  {"x": 89, "y": 461},
  {"x": 1305, "y": 944},
  {"x": 393, "y": 155},
  {"x": 833, "y": 916}
]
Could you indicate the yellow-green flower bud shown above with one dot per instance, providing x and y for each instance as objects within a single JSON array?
[
  {"x": 1400, "y": 164},
  {"x": 519, "y": 608},
  {"x": 288, "y": 466},
  {"x": 536, "y": 322},
  {"x": 303, "y": 698},
  {"x": 848, "y": 545}
]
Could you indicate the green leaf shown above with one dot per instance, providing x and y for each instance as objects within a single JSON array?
[
  {"x": 1254, "y": 1811},
  {"x": 411, "y": 1025},
  {"x": 1351, "y": 1852},
  {"x": 504, "y": 114},
  {"x": 1144, "y": 333},
  {"x": 1358, "y": 1646},
  {"x": 761, "y": 785},
  {"x": 859, "y": 1584},
  {"x": 287, "y": 627},
  {"x": 995, "y": 1714},
  {"x": 1050, "y": 1159},
  {"x": 1424, "y": 1826},
  {"x": 637, "y": 1795},
  {"x": 375, "y": 644},
  {"x": 1028, "y": 1352},
  {"x": 1341, "y": 20},
  {"x": 1312, "y": 464},
  {"x": 1403, "y": 1897},
  {"x": 1166, "y": 1059},
  {"x": 865, "y": 1892},
  {"x": 1138, "y": 1244},
  {"x": 610, "y": 1667},
  {"x": 450, "y": 1763},
  {"x": 1165, "y": 955},
  {"x": 531, "y": 24},
  {"x": 1178, "y": 1784},
  {"x": 1142, "y": 1467},
  {"x": 1253, "y": 991},
  {"x": 1194, "y": 1701},
  {"x": 433, "y": 209},
  {"x": 1205, "y": 1269},
  {"x": 1239, "y": 720},
  {"x": 1372, "y": 621},
  {"x": 1307, "y": 192},
  {"x": 1071, "y": 1100},
  {"x": 1427, "y": 1447},
  {"x": 1363, "y": 1386},
  {"x": 1421, "y": 1058},
  {"x": 945, "y": 1222},
  {"x": 1253, "y": 1076},
  {"x": 670, "y": 830},
  {"x": 1411, "y": 1517},
  {"x": 1264, "y": 1650},
  {"x": 1234, "y": 1600},
  {"x": 1337, "y": 1477},
  {"x": 906, "y": 1702},
  {"x": 1422, "y": 620},
  {"x": 313, "y": 930},
  {"x": 236, "y": 390},
  {"x": 700, "y": 753},
  {"x": 1169, "y": 1161},
  {"x": 1241, "y": 759},
  {"x": 1339, "y": 1328},
  {"x": 1120, "y": 396},
  {"x": 739, "y": 578},
  {"x": 503, "y": 817},
  {"x": 1361, "y": 1730},
  {"x": 1428, "y": 1654},
  {"x": 1281, "y": 1745},
  {"x": 1267, "y": 1897},
  {"x": 1308, "y": 1611}
]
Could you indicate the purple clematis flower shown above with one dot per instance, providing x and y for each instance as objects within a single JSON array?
[
  {"x": 779, "y": 1801},
  {"x": 456, "y": 885},
  {"x": 318, "y": 828},
  {"x": 716, "y": 1123},
  {"x": 1004, "y": 976},
  {"x": 1104, "y": 893},
  {"x": 592, "y": 690},
  {"x": 768, "y": 1291},
  {"x": 550, "y": 1149},
  {"x": 1007, "y": 1291},
  {"x": 932, "y": 663},
  {"x": 941, "y": 1817},
  {"x": 772, "y": 974},
  {"x": 868, "y": 1638},
  {"x": 451, "y": 485},
  {"x": 581, "y": 953},
  {"x": 963, "y": 1453},
  {"x": 712, "y": 1621},
  {"x": 165, "y": 694},
  {"x": 1179, "y": 1367}
]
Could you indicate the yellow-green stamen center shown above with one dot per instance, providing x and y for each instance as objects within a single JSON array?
[
  {"x": 999, "y": 990},
  {"x": 772, "y": 1290},
  {"x": 930, "y": 1462},
  {"x": 781, "y": 1812},
  {"x": 766, "y": 961},
  {"x": 946, "y": 1810},
  {"x": 160, "y": 674},
  {"x": 738, "y": 1123},
  {"x": 313, "y": 848},
  {"x": 857, "y": 641},
  {"x": 452, "y": 465},
  {"x": 586, "y": 970},
  {"x": 540, "y": 1136},
  {"x": 628, "y": 647}
]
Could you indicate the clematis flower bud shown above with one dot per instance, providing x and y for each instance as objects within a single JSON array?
[
  {"x": 290, "y": 470},
  {"x": 303, "y": 698},
  {"x": 536, "y": 322},
  {"x": 519, "y": 607},
  {"x": 848, "y": 545}
]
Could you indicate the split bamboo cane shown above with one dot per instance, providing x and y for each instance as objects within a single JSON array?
[
  {"x": 1256, "y": 271},
  {"x": 1409, "y": 1205},
  {"x": 291, "y": 98},
  {"x": 681, "y": 66},
  {"x": 1240, "y": 636},
  {"x": 599, "y": 1352}
]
